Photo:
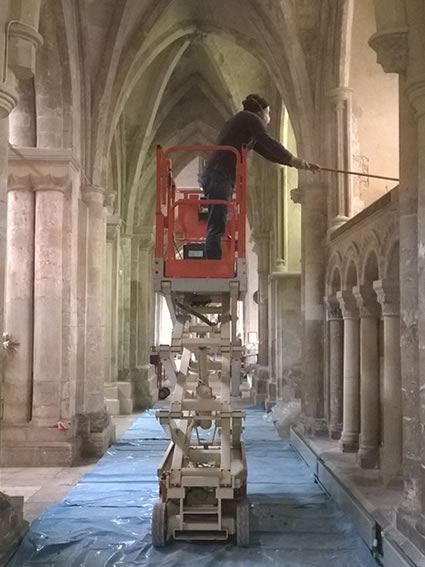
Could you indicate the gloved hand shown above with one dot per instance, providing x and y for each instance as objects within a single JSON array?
[{"x": 303, "y": 164}]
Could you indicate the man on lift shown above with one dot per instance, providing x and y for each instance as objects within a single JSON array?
[{"x": 246, "y": 128}]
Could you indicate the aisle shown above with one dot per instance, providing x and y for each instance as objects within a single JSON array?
[{"x": 105, "y": 520}]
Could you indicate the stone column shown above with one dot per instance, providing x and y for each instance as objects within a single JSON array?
[
  {"x": 349, "y": 442},
  {"x": 341, "y": 99},
  {"x": 19, "y": 300},
  {"x": 388, "y": 293},
  {"x": 262, "y": 243},
  {"x": 99, "y": 430},
  {"x": 145, "y": 389},
  {"x": 313, "y": 276},
  {"x": 112, "y": 299},
  {"x": 398, "y": 53},
  {"x": 135, "y": 300},
  {"x": 145, "y": 310},
  {"x": 369, "y": 377},
  {"x": 125, "y": 305},
  {"x": 335, "y": 365},
  {"x": 416, "y": 95},
  {"x": 48, "y": 283}
]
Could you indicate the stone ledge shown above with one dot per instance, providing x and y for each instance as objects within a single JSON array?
[{"x": 370, "y": 506}]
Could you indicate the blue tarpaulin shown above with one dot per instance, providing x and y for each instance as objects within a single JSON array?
[{"x": 105, "y": 521}]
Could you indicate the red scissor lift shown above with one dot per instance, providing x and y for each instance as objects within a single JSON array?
[{"x": 203, "y": 474}]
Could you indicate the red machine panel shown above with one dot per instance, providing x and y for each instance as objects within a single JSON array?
[{"x": 181, "y": 220}]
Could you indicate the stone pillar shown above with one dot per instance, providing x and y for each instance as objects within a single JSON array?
[
  {"x": 349, "y": 442},
  {"x": 369, "y": 377},
  {"x": 262, "y": 243},
  {"x": 48, "y": 283},
  {"x": 112, "y": 299},
  {"x": 145, "y": 298},
  {"x": 145, "y": 389},
  {"x": 416, "y": 95},
  {"x": 135, "y": 301},
  {"x": 99, "y": 429},
  {"x": 19, "y": 300},
  {"x": 125, "y": 305},
  {"x": 335, "y": 365},
  {"x": 313, "y": 276},
  {"x": 340, "y": 203},
  {"x": 388, "y": 293}
]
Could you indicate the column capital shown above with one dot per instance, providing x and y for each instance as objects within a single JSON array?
[
  {"x": 145, "y": 238},
  {"x": 388, "y": 295},
  {"x": 333, "y": 308},
  {"x": 416, "y": 95},
  {"x": 110, "y": 197},
  {"x": 8, "y": 98},
  {"x": 19, "y": 183},
  {"x": 51, "y": 183},
  {"x": 347, "y": 304},
  {"x": 339, "y": 94},
  {"x": 391, "y": 47},
  {"x": 93, "y": 194},
  {"x": 366, "y": 301},
  {"x": 113, "y": 224},
  {"x": 38, "y": 183}
]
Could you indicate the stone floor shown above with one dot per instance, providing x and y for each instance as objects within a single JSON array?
[{"x": 41, "y": 487}]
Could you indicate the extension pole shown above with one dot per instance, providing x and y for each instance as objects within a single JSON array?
[{"x": 358, "y": 173}]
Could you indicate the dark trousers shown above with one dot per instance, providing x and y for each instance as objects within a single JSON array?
[{"x": 216, "y": 184}]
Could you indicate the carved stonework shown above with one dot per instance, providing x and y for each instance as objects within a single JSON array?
[
  {"x": 332, "y": 308},
  {"x": 391, "y": 47},
  {"x": 388, "y": 295},
  {"x": 51, "y": 183},
  {"x": 113, "y": 225},
  {"x": 416, "y": 95},
  {"x": 24, "y": 40},
  {"x": 93, "y": 194},
  {"x": 109, "y": 202},
  {"x": 19, "y": 183},
  {"x": 366, "y": 302},
  {"x": 8, "y": 100},
  {"x": 347, "y": 304}
]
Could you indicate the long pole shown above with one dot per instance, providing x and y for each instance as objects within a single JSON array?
[{"x": 358, "y": 173}]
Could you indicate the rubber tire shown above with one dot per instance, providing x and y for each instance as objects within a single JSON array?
[
  {"x": 242, "y": 522},
  {"x": 159, "y": 524}
]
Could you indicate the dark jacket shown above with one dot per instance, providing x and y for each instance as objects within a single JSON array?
[{"x": 246, "y": 128}]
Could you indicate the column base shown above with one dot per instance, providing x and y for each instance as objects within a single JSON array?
[
  {"x": 335, "y": 432},
  {"x": 97, "y": 433},
  {"x": 260, "y": 385},
  {"x": 271, "y": 398},
  {"x": 313, "y": 427},
  {"x": 391, "y": 474},
  {"x": 368, "y": 457},
  {"x": 12, "y": 526},
  {"x": 145, "y": 386},
  {"x": 349, "y": 443}
]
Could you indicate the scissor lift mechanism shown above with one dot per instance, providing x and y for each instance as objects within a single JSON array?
[{"x": 203, "y": 475}]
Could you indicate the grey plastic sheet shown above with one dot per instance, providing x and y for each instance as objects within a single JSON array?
[{"x": 105, "y": 520}]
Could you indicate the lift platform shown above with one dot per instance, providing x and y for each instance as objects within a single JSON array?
[{"x": 203, "y": 475}]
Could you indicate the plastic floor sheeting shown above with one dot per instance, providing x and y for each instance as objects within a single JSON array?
[{"x": 105, "y": 521}]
